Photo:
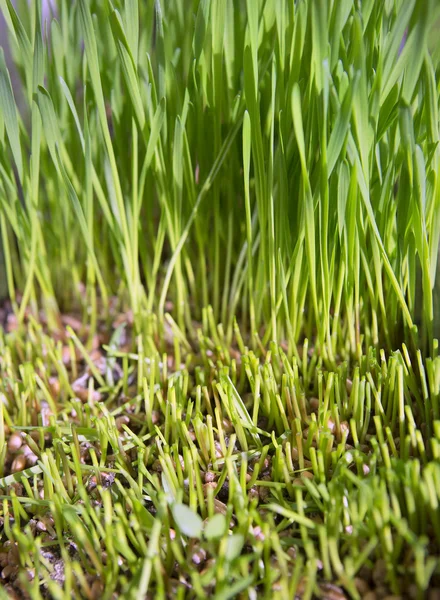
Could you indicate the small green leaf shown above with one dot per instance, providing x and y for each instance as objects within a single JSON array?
[
  {"x": 187, "y": 520},
  {"x": 216, "y": 527},
  {"x": 234, "y": 546}
]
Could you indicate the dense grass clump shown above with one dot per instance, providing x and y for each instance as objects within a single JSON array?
[
  {"x": 276, "y": 160},
  {"x": 219, "y": 370}
]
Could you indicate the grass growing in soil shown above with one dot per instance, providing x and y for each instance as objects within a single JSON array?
[{"x": 219, "y": 371}]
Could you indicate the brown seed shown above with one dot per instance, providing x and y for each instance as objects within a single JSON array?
[
  {"x": 71, "y": 321},
  {"x": 220, "y": 507},
  {"x": 54, "y": 386},
  {"x": 307, "y": 474},
  {"x": 258, "y": 534},
  {"x": 13, "y": 556},
  {"x": 208, "y": 565},
  {"x": 8, "y": 571},
  {"x": 31, "y": 459},
  {"x": 209, "y": 477},
  {"x": 267, "y": 463},
  {"x": 207, "y": 486},
  {"x": 96, "y": 342},
  {"x": 18, "y": 488},
  {"x": 314, "y": 404},
  {"x": 66, "y": 355},
  {"x": 96, "y": 589},
  {"x": 331, "y": 424},
  {"x": 344, "y": 428},
  {"x": 11, "y": 594},
  {"x": 253, "y": 494},
  {"x": 96, "y": 357},
  {"x": 332, "y": 592},
  {"x": 46, "y": 413},
  {"x": 11, "y": 323},
  {"x": 18, "y": 464},
  {"x": 122, "y": 420},
  {"x": 84, "y": 395},
  {"x": 26, "y": 450},
  {"x": 298, "y": 481},
  {"x": 227, "y": 426},
  {"x": 15, "y": 442},
  {"x": 199, "y": 556}
]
